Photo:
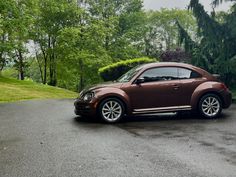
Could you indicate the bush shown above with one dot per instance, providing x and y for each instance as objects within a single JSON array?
[
  {"x": 177, "y": 55},
  {"x": 115, "y": 70},
  {"x": 9, "y": 72}
]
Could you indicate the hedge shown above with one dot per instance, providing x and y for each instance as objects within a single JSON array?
[{"x": 116, "y": 70}]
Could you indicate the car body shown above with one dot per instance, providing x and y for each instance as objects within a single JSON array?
[{"x": 154, "y": 88}]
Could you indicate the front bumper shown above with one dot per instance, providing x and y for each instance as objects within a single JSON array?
[{"x": 84, "y": 108}]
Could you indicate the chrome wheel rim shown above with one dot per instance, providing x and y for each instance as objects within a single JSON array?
[
  {"x": 111, "y": 111},
  {"x": 211, "y": 106}
]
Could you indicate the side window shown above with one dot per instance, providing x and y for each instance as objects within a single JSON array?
[
  {"x": 160, "y": 74},
  {"x": 187, "y": 74}
]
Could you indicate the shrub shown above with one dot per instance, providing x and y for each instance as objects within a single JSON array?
[
  {"x": 9, "y": 72},
  {"x": 177, "y": 55},
  {"x": 115, "y": 70}
]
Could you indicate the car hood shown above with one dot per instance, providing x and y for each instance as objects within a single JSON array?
[{"x": 102, "y": 85}]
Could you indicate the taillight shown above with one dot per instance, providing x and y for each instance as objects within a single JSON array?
[{"x": 224, "y": 87}]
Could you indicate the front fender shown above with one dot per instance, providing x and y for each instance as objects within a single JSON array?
[
  {"x": 104, "y": 93},
  {"x": 202, "y": 89}
]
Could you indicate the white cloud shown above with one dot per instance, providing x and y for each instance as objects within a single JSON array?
[{"x": 182, "y": 4}]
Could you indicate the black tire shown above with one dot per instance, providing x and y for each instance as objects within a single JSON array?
[
  {"x": 111, "y": 115},
  {"x": 210, "y": 106}
]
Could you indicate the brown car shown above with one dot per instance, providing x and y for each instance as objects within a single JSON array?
[{"x": 154, "y": 88}]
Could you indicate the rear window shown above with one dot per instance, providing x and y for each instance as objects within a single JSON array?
[{"x": 184, "y": 73}]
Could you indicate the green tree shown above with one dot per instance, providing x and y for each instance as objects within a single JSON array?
[
  {"x": 218, "y": 2},
  {"x": 123, "y": 22},
  {"x": 162, "y": 31},
  {"x": 7, "y": 18},
  {"x": 15, "y": 26},
  {"x": 22, "y": 27},
  {"x": 80, "y": 55},
  {"x": 216, "y": 49},
  {"x": 128, "y": 40},
  {"x": 53, "y": 16}
]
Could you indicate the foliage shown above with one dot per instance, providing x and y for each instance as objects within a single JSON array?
[
  {"x": 177, "y": 55},
  {"x": 123, "y": 25},
  {"x": 216, "y": 50},
  {"x": 15, "y": 90},
  {"x": 9, "y": 72},
  {"x": 52, "y": 17},
  {"x": 73, "y": 39},
  {"x": 64, "y": 42},
  {"x": 162, "y": 33},
  {"x": 16, "y": 24},
  {"x": 218, "y": 2},
  {"x": 7, "y": 15},
  {"x": 80, "y": 55},
  {"x": 115, "y": 70}
]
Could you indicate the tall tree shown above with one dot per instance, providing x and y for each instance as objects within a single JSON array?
[
  {"x": 22, "y": 27},
  {"x": 80, "y": 55},
  {"x": 162, "y": 31},
  {"x": 216, "y": 49},
  {"x": 7, "y": 20},
  {"x": 123, "y": 22},
  {"x": 53, "y": 16},
  {"x": 217, "y": 2}
]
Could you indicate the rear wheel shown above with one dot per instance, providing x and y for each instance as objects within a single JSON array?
[
  {"x": 111, "y": 110},
  {"x": 210, "y": 106}
]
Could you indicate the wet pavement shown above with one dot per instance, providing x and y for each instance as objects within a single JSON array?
[{"x": 45, "y": 138}]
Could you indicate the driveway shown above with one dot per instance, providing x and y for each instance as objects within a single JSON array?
[{"x": 46, "y": 139}]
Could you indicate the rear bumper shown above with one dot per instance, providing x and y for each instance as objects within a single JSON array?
[
  {"x": 227, "y": 99},
  {"x": 84, "y": 108}
]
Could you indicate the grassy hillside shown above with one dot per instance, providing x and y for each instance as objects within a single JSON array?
[{"x": 15, "y": 90}]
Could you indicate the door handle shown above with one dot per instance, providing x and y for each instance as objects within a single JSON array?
[{"x": 175, "y": 86}]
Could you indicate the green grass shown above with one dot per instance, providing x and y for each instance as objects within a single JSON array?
[{"x": 14, "y": 90}]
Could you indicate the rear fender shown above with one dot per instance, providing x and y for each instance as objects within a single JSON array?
[{"x": 204, "y": 88}]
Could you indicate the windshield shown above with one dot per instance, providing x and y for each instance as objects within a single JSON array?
[{"x": 129, "y": 75}]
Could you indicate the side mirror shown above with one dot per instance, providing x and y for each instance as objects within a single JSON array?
[{"x": 139, "y": 81}]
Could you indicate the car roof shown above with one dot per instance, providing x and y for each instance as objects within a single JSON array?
[
  {"x": 171, "y": 64},
  {"x": 175, "y": 64}
]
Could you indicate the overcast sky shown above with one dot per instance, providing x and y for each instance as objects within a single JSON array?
[{"x": 182, "y": 4}]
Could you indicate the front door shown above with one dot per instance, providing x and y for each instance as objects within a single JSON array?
[{"x": 159, "y": 90}]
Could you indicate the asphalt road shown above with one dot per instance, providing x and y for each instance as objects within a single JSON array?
[{"x": 45, "y": 139}]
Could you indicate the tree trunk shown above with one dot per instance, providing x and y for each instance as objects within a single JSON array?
[
  {"x": 40, "y": 67},
  {"x": 44, "y": 65},
  {"x": 21, "y": 65},
  {"x": 2, "y": 62},
  {"x": 81, "y": 83},
  {"x": 52, "y": 63},
  {"x": 45, "y": 71},
  {"x": 51, "y": 82},
  {"x": 2, "y": 59}
]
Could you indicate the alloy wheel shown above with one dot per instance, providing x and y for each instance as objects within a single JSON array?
[
  {"x": 111, "y": 111},
  {"x": 210, "y": 106}
]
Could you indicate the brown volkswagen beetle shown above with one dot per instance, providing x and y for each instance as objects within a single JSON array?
[{"x": 156, "y": 88}]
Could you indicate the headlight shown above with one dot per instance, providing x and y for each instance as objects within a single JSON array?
[{"x": 88, "y": 96}]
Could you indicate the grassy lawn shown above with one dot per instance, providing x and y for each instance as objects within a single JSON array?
[{"x": 15, "y": 90}]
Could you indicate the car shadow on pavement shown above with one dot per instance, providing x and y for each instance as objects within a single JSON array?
[
  {"x": 80, "y": 119},
  {"x": 184, "y": 117}
]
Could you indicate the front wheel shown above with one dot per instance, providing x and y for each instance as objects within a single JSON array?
[
  {"x": 111, "y": 110},
  {"x": 210, "y": 106}
]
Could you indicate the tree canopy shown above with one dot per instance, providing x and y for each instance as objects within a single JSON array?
[
  {"x": 65, "y": 42},
  {"x": 215, "y": 51}
]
